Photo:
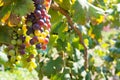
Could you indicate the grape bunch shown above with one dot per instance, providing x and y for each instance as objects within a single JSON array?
[{"x": 32, "y": 36}]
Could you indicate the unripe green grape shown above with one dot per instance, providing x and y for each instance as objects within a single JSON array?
[
  {"x": 14, "y": 37},
  {"x": 19, "y": 31},
  {"x": 11, "y": 52},
  {"x": 13, "y": 42},
  {"x": 19, "y": 42},
  {"x": 13, "y": 58}
]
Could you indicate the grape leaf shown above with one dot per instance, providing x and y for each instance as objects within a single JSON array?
[
  {"x": 55, "y": 16},
  {"x": 65, "y": 4},
  {"x": 52, "y": 66},
  {"x": 5, "y": 34},
  {"x": 5, "y": 10},
  {"x": 95, "y": 11},
  {"x": 82, "y": 10},
  {"x": 23, "y": 7}
]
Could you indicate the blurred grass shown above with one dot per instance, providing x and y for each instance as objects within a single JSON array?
[{"x": 18, "y": 74}]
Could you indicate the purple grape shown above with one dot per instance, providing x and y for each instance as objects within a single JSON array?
[
  {"x": 31, "y": 17},
  {"x": 37, "y": 14},
  {"x": 36, "y": 26},
  {"x": 39, "y": 7},
  {"x": 23, "y": 46},
  {"x": 29, "y": 31},
  {"x": 38, "y": 46},
  {"x": 32, "y": 41},
  {"x": 10, "y": 47},
  {"x": 38, "y": 1},
  {"x": 48, "y": 36},
  {"x": 35, "y": 38},
  {"x": 22, "y": 38},
  {"x": 22, "y": 51}
]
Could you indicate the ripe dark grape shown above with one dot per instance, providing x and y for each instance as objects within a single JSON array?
[
  {"x": 23, "y": 46},
  {"x": 22, "y": 51},
  {"x": 38, "y": 46},
  {"x": 39, "y": 7},
  {"x": 29, "y": 31},
  {"x": 41, "y": 22},
  {"x": 22, "y": 38},
  {"x": 36, "y": 26},
  {"x": 32, "y": 41},
  {"x": 35, "y": 38},
  {"x": 37, "y": 14}
]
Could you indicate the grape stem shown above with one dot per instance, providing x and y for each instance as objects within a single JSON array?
[{"x": 56, "y": 7}]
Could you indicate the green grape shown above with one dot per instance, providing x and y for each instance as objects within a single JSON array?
[
  {"x": 13, "y": 58},
  {"x": 19, "y": 42},
  {"x": 13, "y": 42},
  {"x": 11, "y": 52}
]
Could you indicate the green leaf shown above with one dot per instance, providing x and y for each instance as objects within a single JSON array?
[
  {"x": 18, "y": 7},
  {"x": 5, "y": 34},
  {"x": 79, "y": 11},
  {"x": 5, "y": 10},
  {"x": 52, "y": 66},
  {"x": 82, "y": 10},
  {"x": 115, "y": 52},
  {"x": 55, "y": 16},
  {"x": 23, "y": 7},
  {"x": 65, "y": 4},
  {"x": 76, "y": 44},
  {"x": 88, "y": 76},
  {"x": 62, "y": 76},
  {"x": 117, "y": 68},
  {"x": 117, "y": 44},
  {"x": 52, "y": 40},
  {"x": 95, "y": 11},
  {"x": 108, "y": 58}
]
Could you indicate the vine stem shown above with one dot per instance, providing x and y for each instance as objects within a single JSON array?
[{"x": 56, "y": 7}]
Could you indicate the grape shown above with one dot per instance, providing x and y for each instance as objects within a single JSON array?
[
  {"x": 46, "y": 40},
  {"x": 29, "y": 31},
  {"x": 13, "y": 42},
  {"x": 32, "y": 42},
  {"x": 41, "y": 39},
  {"x": 22, "y": 51},
  {"x": 35, "y": 38},
  {"x": 38, "y": 46},
  {"x": 44, "y": 47},
  {"x": 11, "y": 52},
  {"x": 36, "y": 26},
  {"x": 37, "y": 33},
  {"x": 39, "y": 7},
  {"x": 10, "y": 47},
  {"x": 41, "y": 22},
  {"x": 22, "y": 46},
  {"x": 37, "y": 13},
  {"x": 22, "y": 38},
  {"x": 19, "y": 42},
  {"x": 18, "y": 57}
]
